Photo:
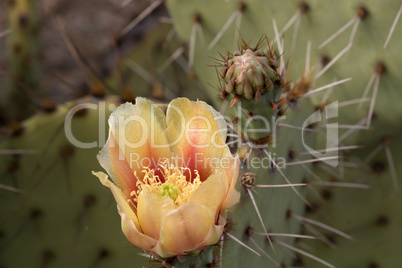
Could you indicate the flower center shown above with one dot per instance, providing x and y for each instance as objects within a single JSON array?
[
  {"x": 168, "y": 189},
  {"x": 176, "y": 185}
]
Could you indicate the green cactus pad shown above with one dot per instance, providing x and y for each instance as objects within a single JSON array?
[{"x": 60, "y": 214}]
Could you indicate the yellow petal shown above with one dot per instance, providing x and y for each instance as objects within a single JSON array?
[
  {"x": 214, "y": 233},
  {"x": 134, "y": 235},
  {"x": 185, "y": 228},
  {"x": 150, "y": 210},
  {"x": 211, "y": 193},
  {"x": 129, "y": 221},
  {"x": 197, "y": 133},
  {"x": 139, "y": 133}
]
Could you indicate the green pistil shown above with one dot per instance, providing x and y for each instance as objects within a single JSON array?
[{"x": 168, "y": 190}]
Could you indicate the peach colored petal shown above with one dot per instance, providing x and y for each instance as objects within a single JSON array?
[
  {"x": 211, "y": 193},
  {"x": 196, "y": 132},
  {"x": 160, "y": 251},
  {"x": 150, "y": 210},
  {"x": 134, "y": 235},
  {"x": 232, "y": 174},
  {"x": 139, "y": 133},
  {"x": 118, "y": 169},
  {"x": 129, "y": 221},
  {"x": 215, "y": 232},
  {"x": 186, "y": 227}
]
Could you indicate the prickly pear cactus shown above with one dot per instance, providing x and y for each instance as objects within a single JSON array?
[
  {"x": 368, "y": 216},
  {"x": 361, "y": 43},
  {"x": 156, "y": 67},
  {"x": 49, "y": 197},
  {"x": 249, "y": 77},
  {"x": 346, "y": 52},
  {"x": 255, "y": 90},
  {"x": 57, "y": 214},
  {"x": 263, "y": 217},
  {"x": 294, "y": 210}
]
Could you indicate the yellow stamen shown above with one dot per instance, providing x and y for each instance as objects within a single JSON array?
[{"x": 175, "y": 186}]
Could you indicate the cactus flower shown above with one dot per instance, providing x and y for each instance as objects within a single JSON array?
[{"x": 172, "y": 175}]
